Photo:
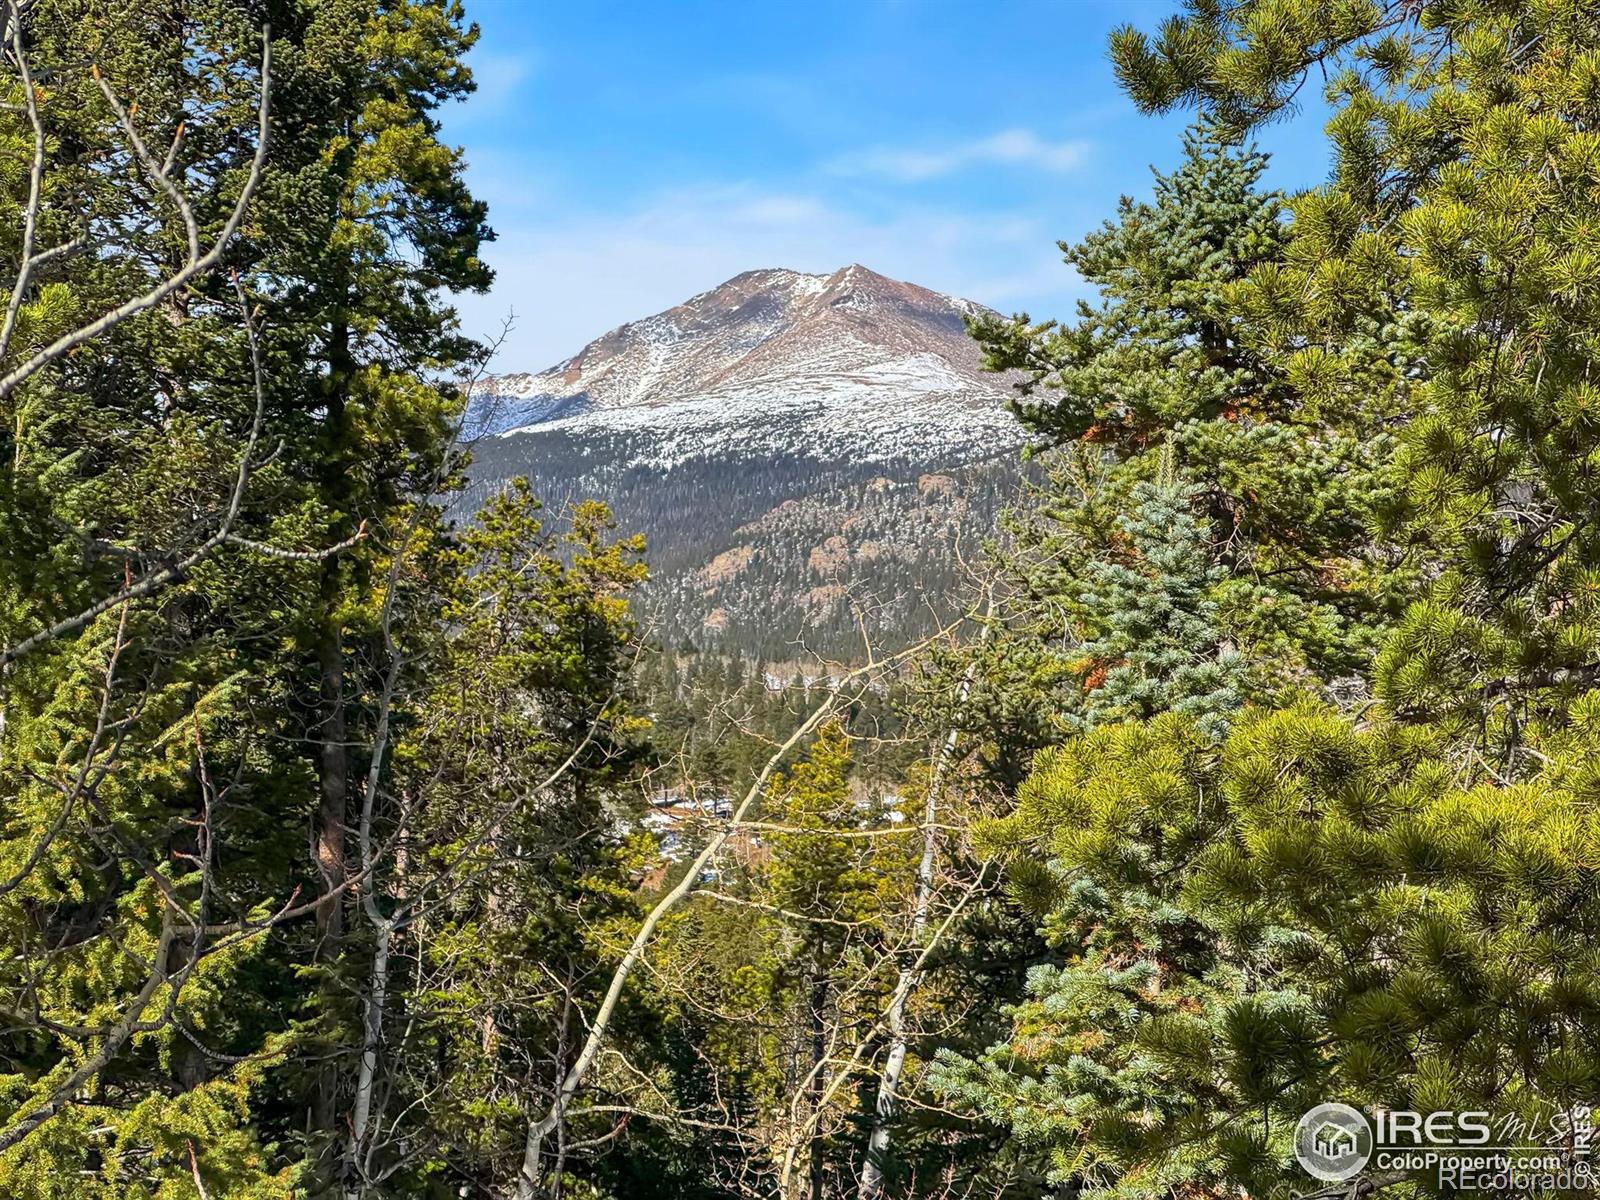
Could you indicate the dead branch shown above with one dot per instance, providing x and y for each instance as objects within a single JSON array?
[
  {"x": 530, "y": 1179},
  {"x": 196, "y": 264}
]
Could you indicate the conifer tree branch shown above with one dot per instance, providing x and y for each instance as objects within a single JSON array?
[
  {"x": 115, "y": 1038},
  {"x": 74, "y": 790},
  {"x": 156, "y": 580}
]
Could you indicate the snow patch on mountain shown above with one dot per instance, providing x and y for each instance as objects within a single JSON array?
[{"x": 774, "y": 362}]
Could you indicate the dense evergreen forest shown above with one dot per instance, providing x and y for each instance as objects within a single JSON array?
[{"x": 359, "y": 838}]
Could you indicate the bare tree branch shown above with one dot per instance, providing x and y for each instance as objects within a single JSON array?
[
  {"x": 153, "y": 582},
  {"x": 889, "y": 1080},
  {"x": 530, "y": 1179},
  {"x": 196, "y": 264},
  {"x": 114, "y": 1040}
]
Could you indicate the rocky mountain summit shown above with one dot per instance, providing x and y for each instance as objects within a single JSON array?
[
  {"x": 794, "y": 447},
  {"x": 858, "y": 362}
]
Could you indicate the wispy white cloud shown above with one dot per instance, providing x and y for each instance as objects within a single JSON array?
[
  {"x": 502, "y": 81},
  {"x": 1010, "y": 147},
  {"x": 570, "y": 277}
]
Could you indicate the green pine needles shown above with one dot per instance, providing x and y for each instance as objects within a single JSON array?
[
  {"x": 1310, "y": 910},
  {"x": 1155, "y": 635},
  {"x": 1364, "y": 865}
]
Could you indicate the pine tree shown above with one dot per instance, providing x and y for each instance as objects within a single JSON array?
[
  {"x": 136, "y": 764},
  {"x": 513, "y": 871},
  {"x": 1462, "y": 201},
  {"x": 1309, "y": 911},
  {"x": 1167, "y": 386}
]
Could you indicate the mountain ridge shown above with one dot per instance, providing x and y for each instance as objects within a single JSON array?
[{"x": 848, "y": 352}]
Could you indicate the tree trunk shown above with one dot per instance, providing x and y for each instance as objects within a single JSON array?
[
  {"x": 530, "y": 1180},
  {"x": 561, "y": 1126},
  {"x": 332, "y": 734},
  {"x": 331, "y": 731},
  {"x": 371, "y": 1043},
  {"x": 883, "y": 1111},
  {"x": 819, "y": 1049},
  {"x": 333, "y": 763}
]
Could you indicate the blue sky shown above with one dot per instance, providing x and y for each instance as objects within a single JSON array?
[{"x": 635, "y": 154}]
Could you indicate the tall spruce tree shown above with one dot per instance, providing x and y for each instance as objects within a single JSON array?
[
  {"x": 1167, "y": 386},
  {"x": 1174, "y": 556},
  {"x": 366, "y": 223}
]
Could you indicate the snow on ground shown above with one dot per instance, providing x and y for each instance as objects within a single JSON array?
[{"x": 908, "y": 407}]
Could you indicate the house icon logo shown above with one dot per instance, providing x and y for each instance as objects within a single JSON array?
[{"x": 1333, "y": 1142}]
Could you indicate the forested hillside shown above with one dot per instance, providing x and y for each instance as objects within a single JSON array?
[
  {"x": 777, "y": 554},
  {"x": 372, "y": 824}
]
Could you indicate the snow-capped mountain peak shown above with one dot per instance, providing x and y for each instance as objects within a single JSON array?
[
  {"x": 802, "y": 453},
  {"x": 849, "y": 361}
]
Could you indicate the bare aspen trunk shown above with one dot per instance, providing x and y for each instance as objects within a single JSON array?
[
  {"x": 883, "y": 1111},
  {"x": 329, "y": 853},
  {"x": 561, "y": 1126},
  {"x": 371, "y": 1040},
  {"x": 489, "y": 1034},
  {"x": 383, "y": 927},
  {"x": 819, "y": 1048},
  {"x": 333, "y": 733},
  {"x": 530, "y": 1180}
]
